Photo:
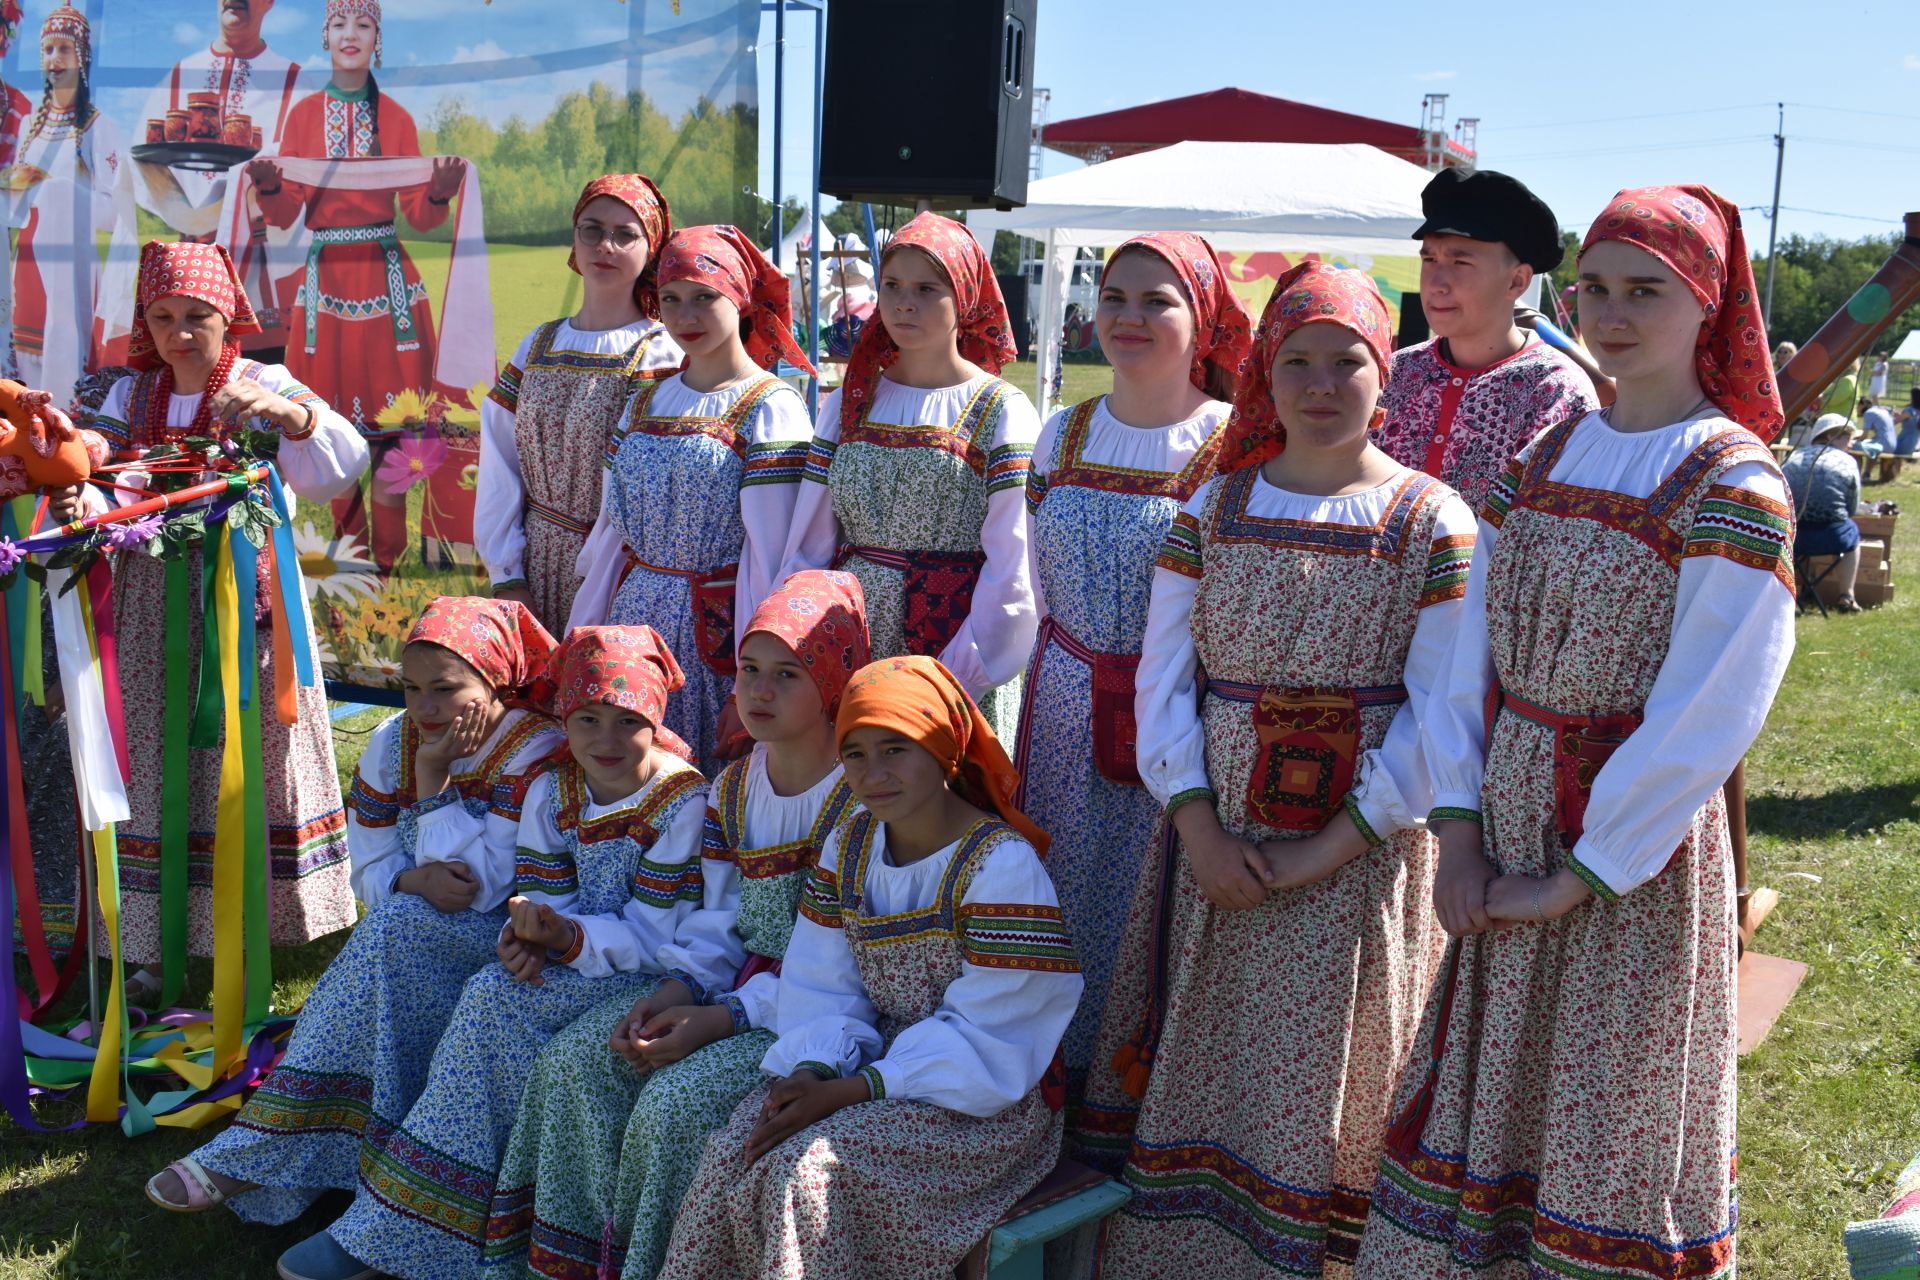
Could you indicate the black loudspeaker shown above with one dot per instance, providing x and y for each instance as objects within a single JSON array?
[
  {"x": 928, "y": 99},
  {"x": 1013, "y": 287}
]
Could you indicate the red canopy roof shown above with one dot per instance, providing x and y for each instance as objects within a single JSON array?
[{"x": 1232, "y": 115}]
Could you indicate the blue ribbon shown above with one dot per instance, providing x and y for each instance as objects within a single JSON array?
[{"x": 286, "y": 567}]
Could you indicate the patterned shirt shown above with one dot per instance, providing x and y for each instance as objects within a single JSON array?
[{"x": 1465, "y": 425}]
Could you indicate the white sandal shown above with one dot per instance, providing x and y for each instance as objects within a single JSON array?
[
  {"x": 202, "y": 1193},
  {"x": 143, "y": 984}
]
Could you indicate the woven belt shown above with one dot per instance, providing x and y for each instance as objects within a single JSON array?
[
  {"x": 1385, "y": 695},
  {"x": 555, "y": 516},
  {"x": 405, "y": 336}
]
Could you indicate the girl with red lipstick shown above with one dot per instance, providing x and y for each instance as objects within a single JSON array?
[
  {"x": 612, "y": 1121},
  {"x": 918, "y": 467},
  {"x": 544, "y": 427},
  {"x": 913, "y": 1094},
  {"x": 433, "y": 821},
  {"x": 361, "y": 330},
  {"x": 702, "y": 473},
  {"x": 1108, "y": 476},
  {"x": 1281, "y": 947},
  {"x": 1570, "y": 1110}
]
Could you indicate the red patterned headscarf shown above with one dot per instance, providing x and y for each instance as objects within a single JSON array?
[
  {"x": 918, "y": 698},
  {"x": 637, "y": 192},
  {"x": 822, "y": 616},
  {"x": 1697, "y": 234},
  {"x": 202, "y": 271},
  {"x": 626, "y": 667},
  {"x": 985, "y": 333},
  {"x": 723, "y": 258},
  {"x": 500, "y": 639},
  {"x": 1222, "y": 329},
  {"x": 1310, "y": 293}
]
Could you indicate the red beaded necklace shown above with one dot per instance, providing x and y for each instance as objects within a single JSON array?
[{"x": 157, "y": 430}]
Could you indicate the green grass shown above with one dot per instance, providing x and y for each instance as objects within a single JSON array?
[{"x": 1830, "y": 1105}]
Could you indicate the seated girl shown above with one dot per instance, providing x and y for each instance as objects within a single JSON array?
[
  {"x": 922, "y": 999},
  {"x": 612, "y": 1119},
  {"x": 608, "y": 899},
  {"x": 432, "y": 822}
]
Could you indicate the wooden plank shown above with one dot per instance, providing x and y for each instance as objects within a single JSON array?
[
  {"x": 1042, "y": 1225},
  {"x": 1765, "y": 984}
]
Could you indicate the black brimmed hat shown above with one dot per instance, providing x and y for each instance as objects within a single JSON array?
[{"x": 1484, "y": 205}]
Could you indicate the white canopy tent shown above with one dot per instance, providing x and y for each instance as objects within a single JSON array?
[
  {"x": 1909, "y": 348},
  {"x": 1352, "y": 199}
]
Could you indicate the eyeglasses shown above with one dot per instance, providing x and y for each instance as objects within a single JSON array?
[{"x": 592, "y": 233}]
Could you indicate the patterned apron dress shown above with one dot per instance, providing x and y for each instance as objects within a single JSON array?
[
  {"x": 308, "y": 892},
  {"x": 601, "y": 1153},
  {"x": 1096, "y": 532},
  {"x": 1276, "y": 1036},
  {"x": 1579, "y": 1106},
  {"x": 674, "y": 497},
  {"x": 359, "y": 1056},
  {"x": 564, "y": 406},
  {"x": 426, "y": 1183},
  {"x": 911, "y": 500},
  {"x": 882, "y": 1190}
]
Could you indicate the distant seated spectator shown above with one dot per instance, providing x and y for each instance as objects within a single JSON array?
[
  {"x": 1877, "y": 421},
  {"x": 1783, "y": 355},
  {"x": 1909, "y": 442},
  {"x": 1842, "y": 391},
  {"x": 1824, "y": 481}
]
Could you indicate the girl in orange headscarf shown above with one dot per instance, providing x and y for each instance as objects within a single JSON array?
[
  {"x": 1571, "y": 1106},
  {"x": 1281, "y": 937},
  {"x": 929, "y": 975},
  {"x": 544, "y": 427},
  {"x": 918, "y": 466},
  {"x": 702, "y": 473},
  {"x": 1108, "y": 477}
]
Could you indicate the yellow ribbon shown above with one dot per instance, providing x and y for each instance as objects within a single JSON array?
[{"x": 229, "y": 830}]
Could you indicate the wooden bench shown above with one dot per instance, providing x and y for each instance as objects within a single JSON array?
[{"x": 1071, "y": 1198}]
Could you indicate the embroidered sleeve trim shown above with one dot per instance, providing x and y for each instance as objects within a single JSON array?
[
  {"x": 1447, "y": 569},
  {"x": 820, "y": 899},
  {"x": 660, "y": 885},
  {"x": 506, "y": 392},
  {"x": 875, "y": 1084},
  {"x": 536, "y": 871},
  {"x": 780, "y": 462},
  {"x": 1036, "y": 490},
  {"x": 1501, "y": 495},
  {"x": 1367, "y": 832},
  {"x": 1601, "y": 889},
  {"x": 819, "y": 460},
  {"x": 1007, "y": 467},
  {"x": 1005, "y": 935},
  {"x": 737, "y": 1010},
  {"x": 1181, "y": 551},
  {"x": 572, "y": 953},
  {"x": 373, "y": 807},
  {"x": 692, "y": 984},
  {"x": 445, "y": 796},
  {"x": 1179, "y": 798},
  {"x": 820, "y": 1069},
  {"x": 1443, "y": 812},
  {"x": 1745, "y": 527}
]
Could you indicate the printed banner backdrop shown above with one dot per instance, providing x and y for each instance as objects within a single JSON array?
[{"x": 421, "y": 295}]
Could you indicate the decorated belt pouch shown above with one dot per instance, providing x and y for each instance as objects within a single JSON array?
[
  {"x": 1580, "y": 746},
  {"x": 712, "y": 599},
  {"x": 939, "y": 595},
  {"x": 1309, "y": 740},
  {"x": 1116, "y": 733}
]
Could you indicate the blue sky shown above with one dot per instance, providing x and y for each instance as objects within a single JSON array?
[{"x": 1575, "y": 99}]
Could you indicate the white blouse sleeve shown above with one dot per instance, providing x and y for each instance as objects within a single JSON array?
[
  {"x": 666, "y": 891},
  {"x": 1166, "y": 706},
  {"x": 1393, "y": 790},
  {"x": 1001, "y": 1020},
  {"x": 814, "y": 536},
  {"x": 780, "y": 436},
  {"x": 993, "y": 644},
  {"x": 758, "y": 1001},
  {"x": 327, "y": 463},
  {"x": 1036, "y": 490},
  {"x": 706, "y": 951},
  {"x": 1732, "y": 638},
  {"x": 487, "y": 844},
  {"x": 500, "y": 495},
  {"x": 374, "y": 850},
  {"x": 823, "y": 1015},
  {"x": 602, "y": 557}
]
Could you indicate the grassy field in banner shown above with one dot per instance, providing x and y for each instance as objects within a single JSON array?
[{"x": 1829, "y": 1106}]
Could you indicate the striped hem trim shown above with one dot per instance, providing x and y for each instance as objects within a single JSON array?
[{"x": 1367, "y": 832}]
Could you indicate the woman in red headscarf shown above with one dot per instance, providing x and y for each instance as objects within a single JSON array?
[
  {"x": 612, "y": 1121},
  {"x": 918, "y": 466},
  {"x": 1108, "y": 476},
  {"x": 929, "y": 975},
  {"x": 434, "y": 826},
  {"x": 1281, "y": 940},
  {"x": 193, "y": 381},
  {"x": 544, "y": 428},
  {"x": 1629, "y": 618},
  {"x": 701, "y": 475}
]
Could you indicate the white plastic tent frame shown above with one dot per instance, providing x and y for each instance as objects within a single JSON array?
[{"x": 1350, "y": 200}]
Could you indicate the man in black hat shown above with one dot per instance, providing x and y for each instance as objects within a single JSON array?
[{"x": 1460, "y": 405}]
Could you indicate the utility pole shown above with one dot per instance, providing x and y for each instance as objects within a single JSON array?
[{"x": 1773, "y": 223}]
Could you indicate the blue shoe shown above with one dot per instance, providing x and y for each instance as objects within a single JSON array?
[{"x": 320, "y": 1257}]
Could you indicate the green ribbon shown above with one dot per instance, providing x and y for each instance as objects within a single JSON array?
[
  {"x": 175, "y": 761},
  {"x": 210, "y": 705}
]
